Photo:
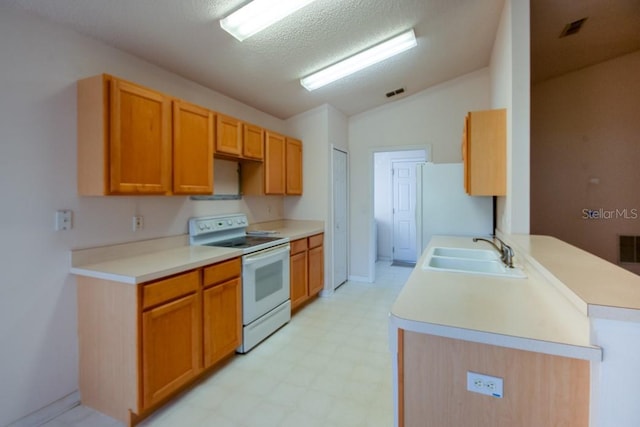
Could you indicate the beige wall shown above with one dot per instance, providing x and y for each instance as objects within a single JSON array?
[{"x": 585, "y": 129}]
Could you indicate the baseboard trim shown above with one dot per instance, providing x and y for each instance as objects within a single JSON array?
[{"x": 49, "y": 412}]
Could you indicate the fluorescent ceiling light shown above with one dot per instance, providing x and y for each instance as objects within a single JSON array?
[
  {"x": 361, "y": 60},
  {"x": 258, "y": 15}
]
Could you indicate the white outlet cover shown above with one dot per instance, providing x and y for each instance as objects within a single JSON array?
[{"x": 485, "y": 384}]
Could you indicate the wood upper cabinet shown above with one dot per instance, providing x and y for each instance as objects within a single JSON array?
[
  {"x": 294, "y": 167},
  {"x": 484, "y": 153},
  {"x": 193, "y": 135},
  {"x": 228, "y": 135},
  {"x": 274, "y": 174},
  {"x": 252, "y": 142},
  {"x": 281, "y": 172},
  {"x": 222, "y": 298},
  {"x": 171, "y": 336},
  {"x": 126, "y": 141}
]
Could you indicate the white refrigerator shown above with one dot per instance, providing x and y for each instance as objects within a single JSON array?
[{"x": 443, "y": 207}]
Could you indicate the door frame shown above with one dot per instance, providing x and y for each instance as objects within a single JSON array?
[
  {"x": 331, "y": 221},
  {"x": 371, "y": 274}
]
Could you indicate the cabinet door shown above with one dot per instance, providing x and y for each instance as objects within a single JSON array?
[
  {"x": 486, "y": 151},
  {"x": 274, "y": 174},
  {"x": 298, "y": 278},
  {"x": 140, "y": 141},
  {"x": 192, "y": 149},
  {"x": 294, "y": 167},
  {"x": 316, "y": 270},
  {"x": 222, "y": 320},
  {"x": 171, "y": 347},
  {"x": 228, "y": 135},
  {"x": 253, "y": 142}
]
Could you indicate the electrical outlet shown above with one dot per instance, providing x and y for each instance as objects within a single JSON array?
[
  {"x": 138, "y": 223},
  {"x": 64, "y": 219},
  {"x": 484, "y": 384}
]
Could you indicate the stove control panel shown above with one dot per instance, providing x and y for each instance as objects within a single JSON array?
[{"x": 214, "y": 224}]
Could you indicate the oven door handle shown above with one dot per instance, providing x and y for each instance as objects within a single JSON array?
[{"x": 251, "y": 259}]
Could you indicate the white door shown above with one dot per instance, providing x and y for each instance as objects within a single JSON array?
[
  {"x": 339, "y": 249},
  {"x": 404, "y": 211}
]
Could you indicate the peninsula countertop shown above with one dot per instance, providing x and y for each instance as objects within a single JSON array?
[
  {"x": 533, "y": 313},
  {"x": 143, "y": 261}
]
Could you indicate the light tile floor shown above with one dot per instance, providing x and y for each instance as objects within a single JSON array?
[{"x": 330, "y": 366}]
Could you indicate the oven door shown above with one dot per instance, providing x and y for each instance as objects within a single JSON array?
[{"x": 265, "y": 281}]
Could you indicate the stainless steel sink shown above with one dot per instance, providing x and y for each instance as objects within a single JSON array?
[{"x": 470, "y": 261}]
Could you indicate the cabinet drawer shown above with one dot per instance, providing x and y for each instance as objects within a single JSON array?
[
  {"x": 297, "y": 246},
  {"x": 221, "y": 272},
  {"x": 316, "y": 240},
  {"x": 167, "y": 289}
]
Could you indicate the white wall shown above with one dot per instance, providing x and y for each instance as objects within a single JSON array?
[
  {"x": 433, "y": 118},
  {"x": 39, "y": 65},
  {"x": 319, "y": 129},
  {"x": 510, "y": 81}
]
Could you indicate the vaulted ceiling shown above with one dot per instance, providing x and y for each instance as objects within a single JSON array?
[{"x": 455, "y": 37}]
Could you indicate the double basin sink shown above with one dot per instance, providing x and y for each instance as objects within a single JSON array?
[{"x": 471, "y": 261}]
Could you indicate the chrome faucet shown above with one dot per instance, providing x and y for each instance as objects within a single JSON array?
[{"x": 506, "y": 252}]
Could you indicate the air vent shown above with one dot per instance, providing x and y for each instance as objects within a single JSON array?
[
  {"x": 629, "y": 249},
  {"x": 572, "y": 27},
  {"x": 395, "y": 92}
]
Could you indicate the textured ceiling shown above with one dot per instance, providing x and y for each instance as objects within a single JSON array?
[{"x": 455, "y": 37}]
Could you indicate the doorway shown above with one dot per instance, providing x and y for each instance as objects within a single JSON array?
[{"x": 394, "y": 204}]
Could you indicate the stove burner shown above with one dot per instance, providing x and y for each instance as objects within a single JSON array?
[{"x": 244, "y": 242}]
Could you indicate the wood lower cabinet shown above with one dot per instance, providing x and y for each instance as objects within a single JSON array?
[
  {"x": 171, "y": 347},
  {"x": 306, "y": 269},
  {"x": 484, "y": 153},
  {"x": 298, "y": 277},
  {"x": 222, "y": 298},
  {"x": 131, "y": 141},
  {"x": 141, "y": 344},
  {"x": 316, "y": 264}
]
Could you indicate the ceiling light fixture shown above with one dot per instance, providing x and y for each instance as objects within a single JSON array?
[
  {"x": 361, "y": 60},
  {"x": 258, "y": 15}
]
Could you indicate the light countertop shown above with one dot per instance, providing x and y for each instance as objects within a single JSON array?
[
  {"x": 606, "y": 290},
  {"x": 143, "y": 261},
  {"x": 528, "y": 314}
]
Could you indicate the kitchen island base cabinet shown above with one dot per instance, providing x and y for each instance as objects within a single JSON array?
[
  {"x": 140, "y": 345},
  {"x": 538, "y": 389}
]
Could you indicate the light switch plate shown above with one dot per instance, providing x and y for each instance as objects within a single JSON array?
[{"x": 64, "y": 219}]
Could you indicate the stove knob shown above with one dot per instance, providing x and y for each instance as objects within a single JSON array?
[
  {"x": 229, "y": 222},
  {"x": 201, "y": 227}
]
